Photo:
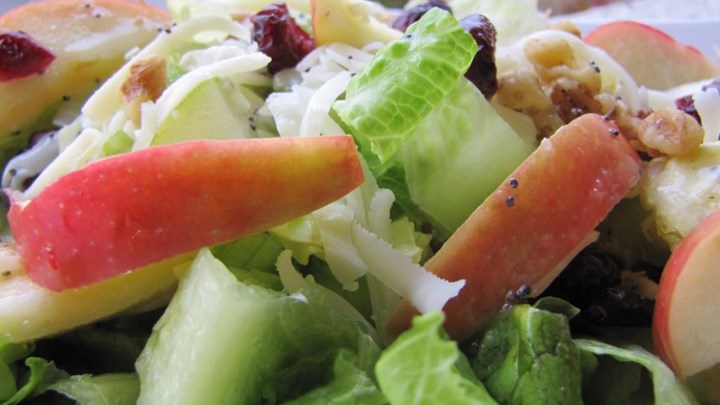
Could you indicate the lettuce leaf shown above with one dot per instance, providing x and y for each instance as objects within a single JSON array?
[
  {"x": 529, "y": 353},
  {"x": 33, "y": 379},
  {"x": 404, "y": 82},
  {"x": 454, "y": 152},
  {"x": 106, "y": 389},
  {"x": 667, "y": 389},
  {"x": 424, "y": 367},
  {"x": 257, "y": 336},
  {"x": 350, "y": 384}
]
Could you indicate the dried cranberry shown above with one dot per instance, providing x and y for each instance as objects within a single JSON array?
[
  {"x": 482, "y": 72},
  {"x": 686, "y": 104},
  {"x": 413, "y": 14},
  {"x": 280, "y": 37},
  {"x": 21, "y": 56}
]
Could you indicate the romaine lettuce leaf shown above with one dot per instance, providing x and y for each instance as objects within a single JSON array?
[
  {"x": 32, "y": 379},
  {"x": 405, "y": 81},
  {"x": 106, "y": 389},
  {"x": 350, "y": 384},
  {"x": 529, "y": 353},
  {"x": 256, "y": 252},
  {"x": 459, "y": 153},
  {"x": 253, "y": 334},
  {"x": 9, "y": 354},
  {"x": 424, "y": 367},
  {"x": 667, "y": 389}
]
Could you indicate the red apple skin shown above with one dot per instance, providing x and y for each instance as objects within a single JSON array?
[
  {"x": 685, "y": 338},
  {"x": 529, "y": 228},
  {"x": 653, "y": 58},
  {"x": 131, "y": 210}
]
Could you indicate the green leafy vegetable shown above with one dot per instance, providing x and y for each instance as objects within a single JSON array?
[
  {"x": 391, "y": 175},
  {"x": 423, "y": 367},
  {"x": 9, "y": 354},
  {"x": 455, "y": 152},
  {"x": 106, "y": 389},
  {"x": 529, "y": 353},
  {"x": 20, "y": 381},
  {"x": 404, "y": 82},
  {"x": 667, "y": 389},
  {"x": 256, "y": 252},
  {"x": 253, "y": 334},
  {"x": 350, "y": 384},
  {"x": 35, "y": 379}
]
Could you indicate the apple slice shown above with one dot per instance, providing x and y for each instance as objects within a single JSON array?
[
  {"x": 653, "y": 58},
  {"x": 527, "y": 231},
  {"x": 686, "y": 330},
  {"x": 353, "y": 22},
  {"x": 89, "y": 38},
  {"x": 131, "y": 210},
  {"x": 29, "y": 311}
]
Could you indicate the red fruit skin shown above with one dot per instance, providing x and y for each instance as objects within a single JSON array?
[
  {"x": 693, "y": 256},
  {"x": 131, "y": 210},
  {"x": 653, "y": 58},
  {"x": 533, "y": 223}
]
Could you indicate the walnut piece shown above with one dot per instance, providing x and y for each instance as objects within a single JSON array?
[
  {"x": 147, "y": 81},
  {"x": 671, "y": 132}
]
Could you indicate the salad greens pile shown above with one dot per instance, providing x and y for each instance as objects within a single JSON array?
[{"x": 297, "y": 314}]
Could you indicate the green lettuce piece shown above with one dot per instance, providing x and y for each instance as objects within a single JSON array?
[
  {"x": 106, "y": 389},
  {"x": 424, "y": 367},
  {"x": 34, "y": 379},
  {"x": 252, "y": 259},
  {"x": 404, "y": 82},
  {"x": 350, "y": 384},
  {"x": 614, "y": 382},
  {"x": 9, "y": 354},
  {"x": 222, "y": 341},
  {"x": 604, "y": 382},
  {"x": 529, "y": 353},
  {"x": 466, "y": 155},
  {"x": 256, "y": 252},
  {"x": 391, "y": 175},
  {"x": 359, "y": 299},
  {"x": 20, "y": 381}
]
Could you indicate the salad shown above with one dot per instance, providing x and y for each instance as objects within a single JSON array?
[{"x": 349, "y": 202}]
